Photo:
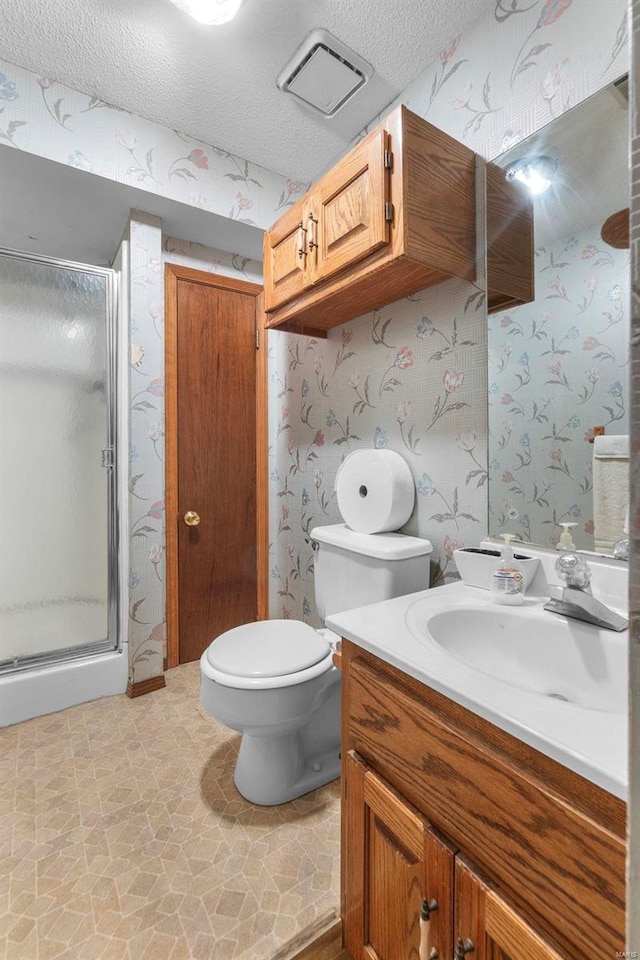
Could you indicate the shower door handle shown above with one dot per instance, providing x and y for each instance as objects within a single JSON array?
[{"x": 191, "y": 518}]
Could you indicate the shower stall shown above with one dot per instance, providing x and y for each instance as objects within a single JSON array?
[{"x": 59, "y": 636}]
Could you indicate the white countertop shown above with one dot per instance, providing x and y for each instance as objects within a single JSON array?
[{"x": 593, "y": 743}]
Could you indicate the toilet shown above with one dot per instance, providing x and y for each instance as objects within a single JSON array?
[{"x": 274, "y": 680}]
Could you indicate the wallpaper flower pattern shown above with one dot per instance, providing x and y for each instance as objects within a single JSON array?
[{"x": 558, "y": 367}]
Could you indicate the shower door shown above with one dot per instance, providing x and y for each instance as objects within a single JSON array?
[{"x": 58, "y": 517}]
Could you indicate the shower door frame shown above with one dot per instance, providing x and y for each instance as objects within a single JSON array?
[{"x": 113, "y": 642}]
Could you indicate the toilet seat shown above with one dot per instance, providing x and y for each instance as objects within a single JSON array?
[{"x": 267, "y": 654}]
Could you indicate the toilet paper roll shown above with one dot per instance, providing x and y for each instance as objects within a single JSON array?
[{"x": 375, "y": 491}]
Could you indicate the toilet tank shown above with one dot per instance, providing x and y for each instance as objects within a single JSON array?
[{"x": 353, "y": 569}]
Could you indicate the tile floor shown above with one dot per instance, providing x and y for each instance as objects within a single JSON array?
[{"x": 122, "y": 837}]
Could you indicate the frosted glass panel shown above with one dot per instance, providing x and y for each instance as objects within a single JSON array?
[{"x": 54, "y": 491}]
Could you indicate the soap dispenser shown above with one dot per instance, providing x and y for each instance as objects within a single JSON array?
[
  {"x": 566, "y": 542},
  {"x": 507, "y": 580}
]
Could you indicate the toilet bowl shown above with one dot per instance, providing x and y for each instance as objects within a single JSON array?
[{"x": 274, "y": 681}]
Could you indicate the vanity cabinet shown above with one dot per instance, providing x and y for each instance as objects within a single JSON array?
[
  {"x": 525, "y": 858},
  {"x": 395, "y": 215}
]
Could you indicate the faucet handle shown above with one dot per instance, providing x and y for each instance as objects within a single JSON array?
[{"x": 573, "y": 570}]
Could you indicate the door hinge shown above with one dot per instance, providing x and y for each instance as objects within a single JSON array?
[
  {"x": 388, "y": 211},
  {"x": 107, "y": 458},
  {"x": 388, "y": 159},
  {"x": 257, "y": 338}
]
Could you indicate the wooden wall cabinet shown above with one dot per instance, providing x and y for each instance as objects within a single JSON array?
[
  {"x": 510, "y": 241},
  {"x": 397, "y": 214},
  {"x": 525, "y": 858}
]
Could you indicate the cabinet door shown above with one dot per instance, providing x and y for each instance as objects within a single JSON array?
[
  {"x": 393, "y": 861},
  {"x": 487, "y": 927},
  {"x": 285, "y": 257},
  {"x": 351, "y": 206}
]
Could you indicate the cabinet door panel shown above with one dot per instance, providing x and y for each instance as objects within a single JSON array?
[
  {"x": 351, "y": 207},
  {"x": 393, "y": 862},
  {"x": 284, "y": 269},
  {"x": 487, "y": 923}
]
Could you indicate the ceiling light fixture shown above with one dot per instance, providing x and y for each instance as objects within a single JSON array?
[
  {"x": 211, "y": 12},
  {"x": 536, "y": 173}
]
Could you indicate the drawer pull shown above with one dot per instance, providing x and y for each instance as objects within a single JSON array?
[
  {"x": 302, "y": 240},
  {"x": 427, "y": 952},
  {"x": 312, "y": 232},
  {"x": 463, "y": 947}
]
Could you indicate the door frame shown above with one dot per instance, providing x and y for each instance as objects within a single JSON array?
[{"x": 173, "y": 273}]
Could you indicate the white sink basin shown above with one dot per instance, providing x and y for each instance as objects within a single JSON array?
[{"x": 531, "y": 649}]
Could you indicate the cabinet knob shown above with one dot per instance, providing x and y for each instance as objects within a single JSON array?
[
  {"x": 191, "y": 518},
  {"x": 302, "y": 240},
  {"x": 463, "y": 947}
]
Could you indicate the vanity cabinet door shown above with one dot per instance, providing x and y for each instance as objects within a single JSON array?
[
  {"x": 393, "y": 860},
  {"x": 487, "y": 927}
]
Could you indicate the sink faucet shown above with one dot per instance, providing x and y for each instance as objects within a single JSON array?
[{"x": 575, "y": 600}]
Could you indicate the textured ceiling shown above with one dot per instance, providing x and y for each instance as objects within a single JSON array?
[{"x": 218, "y": 83}]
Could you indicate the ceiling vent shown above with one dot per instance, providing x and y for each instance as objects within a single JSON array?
[{"x": 324, "y": 73}]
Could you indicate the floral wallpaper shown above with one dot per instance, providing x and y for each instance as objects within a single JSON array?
[
  {"x": 44, "y": 117},
  {"x": 558, "y": 367},
  {"x": 199, "y": 257},
  {"x": 412, "y": 376}
]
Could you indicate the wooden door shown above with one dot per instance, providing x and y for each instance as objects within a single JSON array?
[
  {"x": 351, "y": 206},
  {"x": 288, "y": 258},
  {"x": 394, "y": 861},
  {"x": 211, "y": 458},
  {"x": 487, "y": 927}
]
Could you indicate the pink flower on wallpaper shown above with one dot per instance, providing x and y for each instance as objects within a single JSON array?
[
  {"x": 506, "y": 398},
  {"x": 506, "y": 321},
  {"x": 451, "y": 545},
  {"x": 284, "y": 413},
  {"x": 554, "y": 79},
  {"x": 447, "y": 54},
  {"x": 156, "y": 510},
  {"x": 555, "y": 368},
  {"x": 199, "y": 159},
  {"x": 318, "y": 440},
  {"x": 462, "y": 97},
  {"x": 155, "y": 554},
  {"x": 404, "y": 358},
  {"x": 317, "y": 478},
  {"x": 589, "y": 435},
  {"x": 590, "y": 343},
  {"x": 293, "y": 186},
  {"x": 403, "y": 409},
  {"x": 589, "y": 251},
  {"x": 507, "y": 477},
  {"x": 159, "y": 632},
  {"x": 243, "y": 202},
  {"x": 555, "y": 455},
  {"x": 552, "y": 11},
  {"x": 284, "y": 513},
  {"x": 156, "y": 387},
  {"x": 554, "y": 284},
  {"x": 589, "y": 527},
  {"x": 46, "y": 82},
  {"x": 452, "y": 381}
]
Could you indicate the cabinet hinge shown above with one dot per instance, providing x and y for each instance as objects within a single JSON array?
[
  {"x": 388, "y": 159},
  {"x": 107, "y": 458},
  {"x": 388, "y": 211}
]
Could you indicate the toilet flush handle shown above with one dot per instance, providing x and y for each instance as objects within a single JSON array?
[{"x": 191, "y": 518}]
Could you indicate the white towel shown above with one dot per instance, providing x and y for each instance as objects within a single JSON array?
[{"x": 610, "y": 490}]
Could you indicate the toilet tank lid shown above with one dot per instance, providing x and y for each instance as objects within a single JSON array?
[
  {"x": 267, "y": 648},
  {"x": 380, "y": 546}
]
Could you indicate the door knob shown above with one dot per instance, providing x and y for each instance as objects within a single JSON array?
[{"x": 191, "y": 518}]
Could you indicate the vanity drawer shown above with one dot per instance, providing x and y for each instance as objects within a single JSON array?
[{"x": 564, "y": 868}]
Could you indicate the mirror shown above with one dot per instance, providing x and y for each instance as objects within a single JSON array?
[{"x": 559, "y": 364}]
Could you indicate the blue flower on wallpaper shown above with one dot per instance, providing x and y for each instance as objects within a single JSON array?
[
  {"x": 573, "y": 332},
  {"x": 615, "y": 389},
  {"x": 7, "y": 89},
  {"x": 493, "y": 388},
  {"x": 306, "y": 607},
  {"x": 133, "y": 454},
  {"x": 494, "y": 465},
  {"x": 425, "y": 486},
  {"x": 331, "y": 419},
  {"x": 575, "y": 511},
  {"x": 134, "y": 579},
  {"x": 78, "y": 160},
  {"x": 275, "y": 476},
  {"x": 574, "y": 421},
  {"x": 305, "y": 498},
  {"x": 380, "y": 438},
  {"x": 425, "y": 328},
  {"x": 524, "y": 440},
  {"x": 523, "y": 360},
  {"x": 615, "y": 293},
  {"x": 275, "y": 573},
  {"x": 572, "y": 243}
]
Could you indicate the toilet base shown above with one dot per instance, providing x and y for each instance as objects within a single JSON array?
[{"x": 272, "y": 770}]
